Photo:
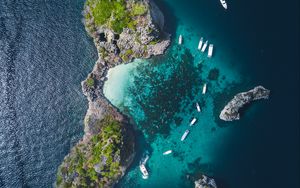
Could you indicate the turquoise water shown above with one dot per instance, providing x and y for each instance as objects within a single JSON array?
[{"x": 160, "y": 94}]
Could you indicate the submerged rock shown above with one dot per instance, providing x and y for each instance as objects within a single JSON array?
[
  {"x": 232, "y": 110},
  {"x": 205, "y": 182}
]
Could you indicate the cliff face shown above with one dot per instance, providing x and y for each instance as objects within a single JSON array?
[
  {"x": 231, "y": 110},
  {"x": 122, "y": 30}
]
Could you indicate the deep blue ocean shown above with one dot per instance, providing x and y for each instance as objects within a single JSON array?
[{"x": 45, "y": 53}]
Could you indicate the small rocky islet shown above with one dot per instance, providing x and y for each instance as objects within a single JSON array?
[
  {"x": 205, "y": 182},
  {"x": 232, "y": 109}
]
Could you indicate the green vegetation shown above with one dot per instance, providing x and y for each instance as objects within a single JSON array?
[
  {"x": 103, "y": 151},
  {"x": 114, "y": 14},
  {"x": 138, "y": 9},
  {"x": 126, "y": 55},
  {"x": 125, "y": 58},
  {"x": 154, "y": 42},
  {"x": 128, "y": 52},
  {"x": 103, "y": 52},
  {"x": 90, "y": 82}
]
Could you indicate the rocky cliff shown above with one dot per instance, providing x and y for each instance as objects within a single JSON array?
[
  {"x": 232, "y": 110},
  {"x": 122, "y": 30}
]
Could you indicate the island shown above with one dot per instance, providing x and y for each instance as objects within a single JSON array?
[
  {"x": 205, "y": 182},
  {"x": 122, "y": 30},
  {"x": 232, "y": 109}
]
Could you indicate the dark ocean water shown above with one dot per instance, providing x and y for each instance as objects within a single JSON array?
[
  {"x": 260, "y": 41},
  {"x": 264, "y": 37},
  {"x": 44, "y": 55}
]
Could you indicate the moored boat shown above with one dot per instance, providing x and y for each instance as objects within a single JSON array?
[
  {"x": 204, "y": 46},
  {"x": 193, "y": 121},
  {"x": 180, "y": 39},
  {"x": 167, "y": 152},
  {"x": 224, "y": 4},
  {"x": 185, "y": 135},
  {"x": 204, "y": 89},
  {"x": 200, "y": 43},
  {"x": 210, "y": 50},
  {"x": 142, "y": 166},
  {"x": 198, "y": 107},
  {"x": 144, "y": 171}
]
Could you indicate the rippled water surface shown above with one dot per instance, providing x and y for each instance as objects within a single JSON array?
[{"x": 44, "y": 55}]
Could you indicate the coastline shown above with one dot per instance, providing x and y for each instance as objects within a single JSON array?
[
  {"x": 118, "y": 80},
  {"x": 99, "y": 107}
]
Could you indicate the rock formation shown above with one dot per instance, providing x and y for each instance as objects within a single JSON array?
[
  {"x": 205, "y": 182},
  {"x": 232, "y": 110},
  {"x": 135, "y": 30}
]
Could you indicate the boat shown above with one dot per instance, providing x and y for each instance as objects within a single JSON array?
[
  {"x": 204, "y": 89},
  {"x": 198, "y": 107},
  {"x": 210, "y": 50},
  {"x": 143, "y": 169},
  {"x": 180, "y": 39},
  {"x": 185, "y": 135},
  {"x": 200, "y": 43},
  {"x": 224, "y": 4},
  {"x": 204, "y": 46},
  {"x": 167, "y": 152},
  {"x": 193, "y": 121}
]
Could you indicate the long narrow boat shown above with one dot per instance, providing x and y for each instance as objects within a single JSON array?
[
  {"x": 204, "y": 89},
  {"x": 200, "y": 43},
  {"x": 180, "y": 39},
  {"x": 210, "y": 50},
  {"x": 193, "y": 121},
  {"x": 204, "y": 46},
  {"x": 185, "y": 135},
  {"x": 198, "y": 107},
  {"x": 167, "y": 152},
  {"x": 224, "y": 4}
]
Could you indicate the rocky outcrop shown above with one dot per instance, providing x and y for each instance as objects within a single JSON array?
[
  {"x": 205, "y": 182},
  {"x": 145, "y": 38},
  {"x": 232, "y": 110}
]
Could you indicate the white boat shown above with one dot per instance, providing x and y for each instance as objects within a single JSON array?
[
  {"x": 185, "y": 135},
  {"x": 224, "y": 4},
  {"x": 204, "y": 89},
  {"x": 180, "y": 39},
  {"x": 210, "y": 50},
  {"x": 200, "y": 43},
  {"x": 193, "y": 121},
  {"x": 167, "y": 152},
  {"x": 198, "y": 107},
  {"x": 144, "y": 171},
  {"x": 143, "y": 167},
  {"x": 204, "y": 46}
]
